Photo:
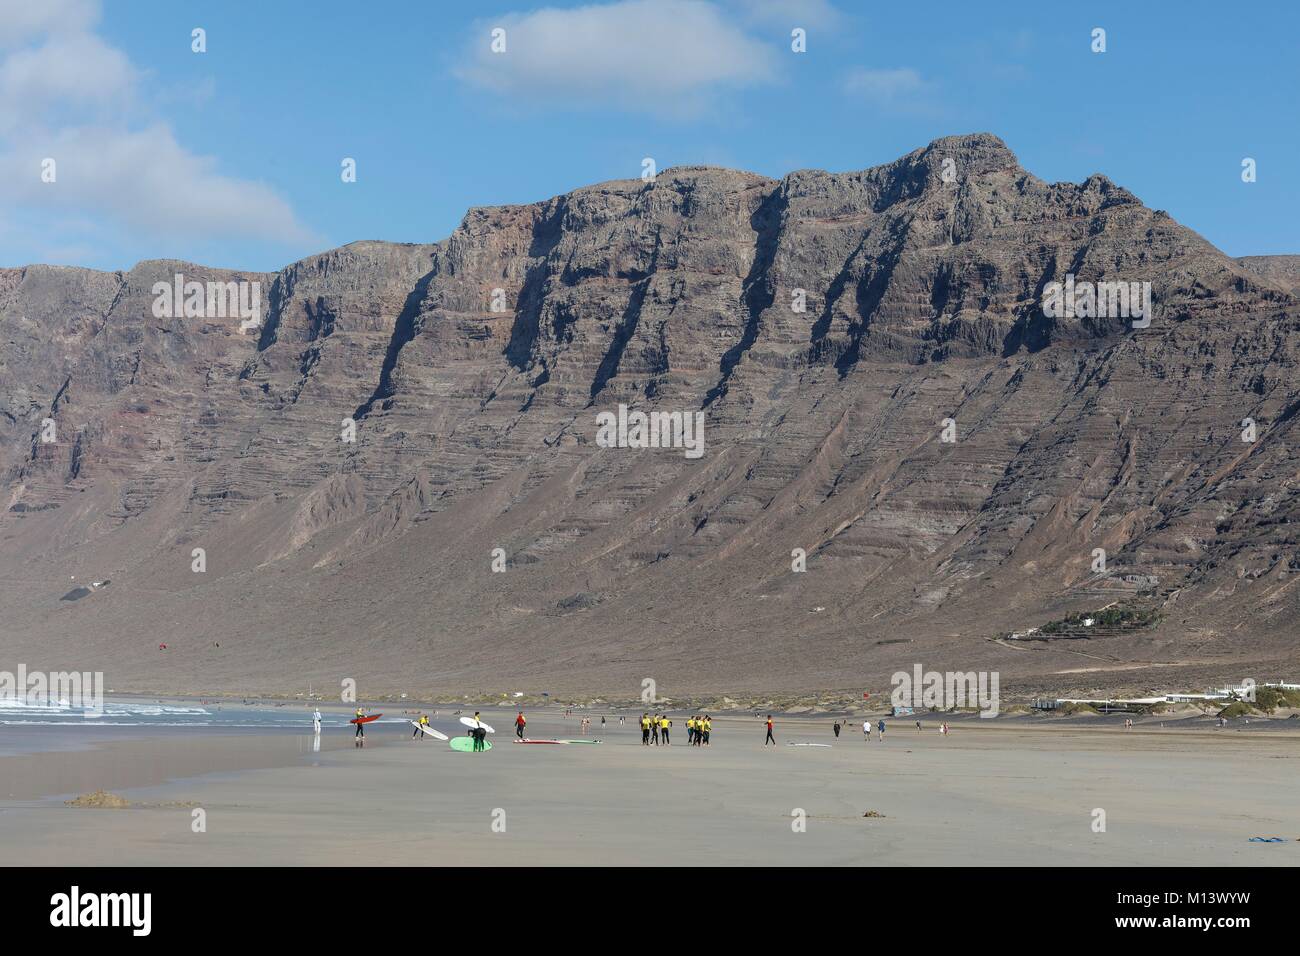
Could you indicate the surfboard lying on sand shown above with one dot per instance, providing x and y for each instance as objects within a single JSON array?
[
  {"x": 579, "y": 741},
  {"x": 791, "y": 743},
  {"x": 365, "y": 720},
  {"x": 466, "y": 744},
  {"x": 471, "y": 722},
  {"x": 526, "y": 741},
  {"x": 430, "y": 731}
]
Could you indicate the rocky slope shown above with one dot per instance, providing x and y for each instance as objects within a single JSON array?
[{"x": 475, "y": 368}]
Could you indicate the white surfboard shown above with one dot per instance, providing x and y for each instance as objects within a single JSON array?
[
  {"x": 438, "y": 735},
  {"x": 471, "y": 722},
  {"x": 791, "y": 743}
]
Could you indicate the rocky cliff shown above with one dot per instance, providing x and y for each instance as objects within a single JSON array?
[{"x": 880, "y": 386}]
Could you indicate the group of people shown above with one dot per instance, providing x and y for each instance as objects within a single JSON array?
[
  {"x": 653, "y": 727},
  {"x": 657, "y": 729}
]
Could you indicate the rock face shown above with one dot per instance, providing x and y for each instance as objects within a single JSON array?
[{"x": 474, "y": 370}]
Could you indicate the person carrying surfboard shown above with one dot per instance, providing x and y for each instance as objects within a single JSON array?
[
  {"x": 361, "y": 727},
  {"x": 420, "y": 725},
  {"x": 520, "y": 723}
]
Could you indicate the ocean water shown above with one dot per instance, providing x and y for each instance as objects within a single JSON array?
[{"x": 127, "y": 712}]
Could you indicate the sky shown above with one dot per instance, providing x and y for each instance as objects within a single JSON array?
[{"x": 233, "y": 156}]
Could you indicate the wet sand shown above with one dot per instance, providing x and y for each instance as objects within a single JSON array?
[{"x": 991, "y": 793}]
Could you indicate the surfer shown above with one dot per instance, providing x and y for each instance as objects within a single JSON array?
[
  {"x": 520, "y": 721},
  {"x": 361, "y": 728},
  {"x": 769, "y": 739},
  {"x": 420, "y": 725},
  {"x": 315, "y": 722},
  {"x": 837, "y": 730}
]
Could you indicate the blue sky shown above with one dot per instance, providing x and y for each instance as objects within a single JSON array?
[{"x": 232, "y": 157}]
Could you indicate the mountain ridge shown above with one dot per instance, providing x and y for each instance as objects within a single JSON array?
[{"x": 476, "y": 431}]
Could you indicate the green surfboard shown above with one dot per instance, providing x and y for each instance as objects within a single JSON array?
[{"x": 466, "y": 745}]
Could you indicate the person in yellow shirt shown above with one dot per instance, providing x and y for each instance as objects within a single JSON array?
[
  {"x": 690, "y": 730},
  {"x": 420, "y": 724},
  {"x": 664, "y": 725},
  {"x": 645, "y": 730}
]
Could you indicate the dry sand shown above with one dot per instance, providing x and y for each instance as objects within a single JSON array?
[{"x": 989, "y": 794}]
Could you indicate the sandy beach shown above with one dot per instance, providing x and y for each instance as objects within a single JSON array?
[{"x": 990, "y": 793}]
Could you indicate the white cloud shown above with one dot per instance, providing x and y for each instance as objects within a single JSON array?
[
  {"x": 68, "y": 72},
  {"x": 20, "y": 20},
  {"x": 146, "y": 180},
  {"x": 67, "y": 95},
  {"x": 888, "y": 88},
  {"x": 659, "y": 56},
  {"x": 809, "y": 14}
]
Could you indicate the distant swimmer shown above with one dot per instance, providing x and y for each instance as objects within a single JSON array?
[
  {"x": 520, "y": 723},
  {"x": 837, "y": 730},
  {"x": 769, "y": 739}
]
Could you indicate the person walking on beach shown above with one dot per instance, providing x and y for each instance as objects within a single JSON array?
[
  {"x": 315, "y": 722},
  {"x": 880, "y": 728},
  {"x": 664, "y": 726},
  {"x": 654, "y": 729},
  {"x": 918, "y": 725},
  {"x": 520, "y": 723},
  {"x": 602, "y": 725},
  {"x": 708, "y": 729},
  {"x": 866, "y": 729},
  {"x": 645, "y": 730},
  {"x": 361, "y": 728},
  {"x": 769, "y": 739},
  {"x": 837, "y": 730}
]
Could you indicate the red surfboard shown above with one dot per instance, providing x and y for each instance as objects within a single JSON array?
[{"x": 365, "y": 720}]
